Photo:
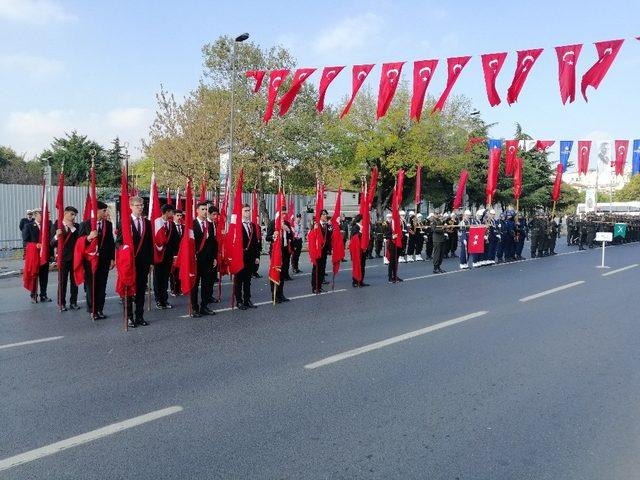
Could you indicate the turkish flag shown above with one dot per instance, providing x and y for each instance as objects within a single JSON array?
[
  {"x": 298, "y": 79},
  {"x": 159, "y": 233},
  {"x": 235, "y": 250},
  {"x": 584, "y": 150},
  {"x": 275, "y": 265},
  {"x": 91, "y": 252},
  {"x": 360, "y": 73},
  {"x": 276, "y": 77},
  {"x": 258, "y": 75},
  {"x": 526, "y": 60},
  {"x": 462, "y": 183},
  {"x": 511, "y": 150},
  {"x": 395, "y": 209},
  {"x": 203, "y": 190},
  {"x": 365, "y": 208},
  {"x": 567, "y": 59},
  {"x": 493, "y": 169},
  {"x": 475, "y": 242},
  {"x": 622, "y": 146},
  {"x": 422, "y": 74},
  {"x": 186, "y": 260},
  {"x": 337, "y": 245},
  {"x": 60, "y": 209},
  {"x": 319, "y": 201},
  {"x": 356, "y": 258},
  {"x": 125, "y": 261},
  {"x": 389, "y": 78},
  {"x": 169, "y": 199},
  {"x": 179, "y": 200},
  {"x": 418, "y": 195},
  {"x": 314, "y": 243},
  {"x": 607, "y": 52},
  {"x": 473, "y": 141},
  {"x": 556, "y": 185},
  {"x": 31, "y": 266},
  {"x": 454, "y": 68},
  {"x": 517, "y": 177},
  {"x": 491, "y": 66},
  {"x": 86, "y": 213},
  {"x": 542, "y": 145},
  {"x": 328, "y": 75}
]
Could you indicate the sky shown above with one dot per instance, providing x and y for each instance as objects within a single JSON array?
[{"x": 96, "y": 66}]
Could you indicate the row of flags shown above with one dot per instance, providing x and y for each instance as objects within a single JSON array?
[
  {"x": 423, "y": 71},
  {"x": 618, "y": 162}
]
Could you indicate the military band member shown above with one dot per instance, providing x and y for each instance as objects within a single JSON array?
[
  {"x": 250, "y": 257},
  {"x": 464, "y": 238},
  {"x": 69, "y": 234},
  {"x": 420, "y": 237},
  {"x": 106, "y": 261},
  {"x": 439, "y": 239}
]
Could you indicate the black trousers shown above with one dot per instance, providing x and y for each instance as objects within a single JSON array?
[
  {"x": 174, "y": 281},
  {"x": 102, "y": 274},
  {"x": 161, "y": 273},
  {"x": 394, "y": 254},
  {"x": 43, "y": 281},
  {"x": 278, "y": 288},
  {"x": 438, "y": 253},
  {"x": 66, "y": 273},
  {"x": 296, "y": 245},
  {"x": 204, "y": 284},
  {"x": 318, "y": 271},
  {"x": 429, "y": 247},
  {"x": 242, "y": 285},
  {"x": 286, "y": 261},
  {"x": 142, "y": 281}
]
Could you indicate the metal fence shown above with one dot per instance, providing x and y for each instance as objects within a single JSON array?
[{"x": 16, "y": 199}]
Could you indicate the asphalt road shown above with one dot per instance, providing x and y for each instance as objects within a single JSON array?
[{"x": 483, "y": 374}]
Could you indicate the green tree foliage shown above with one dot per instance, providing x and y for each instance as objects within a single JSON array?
[
  {"x": 75, "y": 151},
  {"x": 630, "y": 192},
  {"x": 14, "y": 168}
]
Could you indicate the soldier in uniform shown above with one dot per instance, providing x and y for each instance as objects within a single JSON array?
[
  {"x": 429, "y": 238},
  {"x": 520, "y": 235},
  {"x": 464, "y": 238},
  {"x": 553, "y": 235},
  {"x": 538, "y": 234}
]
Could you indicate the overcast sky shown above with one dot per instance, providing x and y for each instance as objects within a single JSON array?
[{"x": 96, "y": 66}]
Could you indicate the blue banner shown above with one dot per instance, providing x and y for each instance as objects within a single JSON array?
[
  {"x": 635, "y": 166},
  {"x": 565, "y": 151},
  {"x": 493, "y": 143}
]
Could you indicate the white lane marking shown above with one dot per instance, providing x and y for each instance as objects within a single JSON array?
[
  {"x": 85, "y": 438},
  {"x": 433, "y": 275},
  {"x": 628, "y": 267},
  {"x": 268, "y": 302},
  {"x": 390, "y": 341},
  {"x": 552, "y": 290},
  {"x": 29, "y": 342}
]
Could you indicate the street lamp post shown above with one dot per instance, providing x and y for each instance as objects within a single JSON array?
[{"x": 238, "y": 39}]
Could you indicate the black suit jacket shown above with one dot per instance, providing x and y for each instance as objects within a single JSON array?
[
  {"x": 173, "y": 244},
  {"x": 206, "y": 249},
  {"x": 251, "y": 245},
  {"x": 106, "y": 242},
  {"x": 271, "y": 228},
  {"x": 143, "y": 246},
  {"x": 69, "y": 241}
]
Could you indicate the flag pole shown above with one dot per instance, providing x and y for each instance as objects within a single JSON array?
[
  {"x": 126, "y": 306},
  {"x": 60, "y": 248},
  {"x": 93, "y": 274}
]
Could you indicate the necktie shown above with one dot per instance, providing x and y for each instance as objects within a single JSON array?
[
  {"x": 100, "y": 227},
  {"x": 139, "y": 226}
]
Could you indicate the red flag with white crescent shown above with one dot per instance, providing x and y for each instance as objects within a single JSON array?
[
  {"x": 542, "y": 145},
  {"x": 567, "y": 60},
  {"x": 60, "y": 209},
  {"x": 360, "y": 73},
  {"x": 526, "y": 60},
  {"x": 328, "y": 75},
  {"x": 125, "y": 259},
  {"x": 389, "y": 79},
  {"x": 423, "y": 71},
  {"x": 337, "y": 245},
  {"x": 511, "y": 150},
  {"x": 235, "y": 250},
  {"x": 299, "y": 78},
  {"x": 622, "y": 146},
  {"x": 275, "y": 264},
  {"x": 607, "y": 52},
  {"x": 186, "y": 260},
  {"x": 258, "y": 76},
  {"x": 475, "y": 242},
  {"x": 491, "y": 65},
  {"x": 44, "y": 228},
  {"x": 454, "y": 68},
  {"x": 276, "y": 77},
  {"x": 558, "y": 182},
  {"x": 517, "y": 177},
  {"x": 584, "y": 151}
]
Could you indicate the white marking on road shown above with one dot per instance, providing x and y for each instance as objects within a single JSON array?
[
  {"x": 85, "y": 438},
  {"x": 433, "y": 275},
  {"x": 392, "y": 340},
  {"x": 29, "y": 342},
  {"x": 268, "y": 302},
  {"x": 552, "y": 290},
  {"x": 628, "y": 267}
]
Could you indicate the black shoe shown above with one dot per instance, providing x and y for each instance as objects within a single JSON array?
[
  {"x": 362, "y": 284},
  {"x": 131, "y": 323},
  {"x": 257, "y": 275},
  {"x": 284, "y": 299},
  {"x": 250, "y": 305},
  {"x": 241, "y": 306},
  {"x": 74, "y": 306},
  {"x": 44, "y": 299},
  {"x": 288, "y": 278},
  {"x": 435, "y": 270},
  {"x": 398, "y": 279},
  {"x": 142, "y": 322},
  {"x": 160, "y": 306},
  {"x": 206, "y": 311},
  {"x": 94, "y": 317},
  {"x": 101, "y": 315},
  {"x": 195, "y": 314},
  {"x": 63, "y": 308},
  {"x": 441, "y": 271}
]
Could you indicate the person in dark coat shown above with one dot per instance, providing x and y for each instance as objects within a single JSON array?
[
  {"x": 69, "y": 234},
  {"x": 31, "y": 233},
  {"x": 206, "y": 243},
  {"x": 250, "y": 257}
]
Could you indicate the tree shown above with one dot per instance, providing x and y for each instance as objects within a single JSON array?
[
  {"x": 14, "y": 169},
  {"x": 630, "y": 192},
  {"x": 75, "y": 151}
]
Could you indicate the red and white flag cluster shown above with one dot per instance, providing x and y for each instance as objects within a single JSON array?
[{"x": 423, "y": 71}]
